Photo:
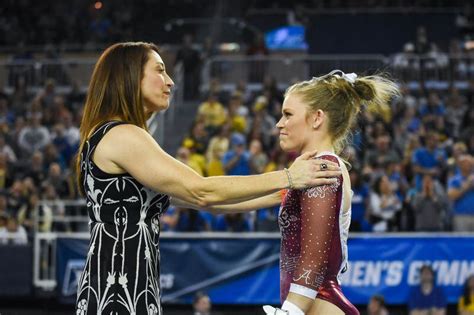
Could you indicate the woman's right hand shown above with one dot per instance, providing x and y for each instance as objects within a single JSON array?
[{"x": 307, "y": 172}]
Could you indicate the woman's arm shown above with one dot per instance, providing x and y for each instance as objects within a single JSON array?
[
  {"x": 134, "y": 150},
  {"x": 267, "y": 201}
]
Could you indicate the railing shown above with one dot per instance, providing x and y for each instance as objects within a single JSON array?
[
  {"x": 49, "y": 215},
  {"x": 431, "y": 71},
  {"x": 65, "y": 72}
]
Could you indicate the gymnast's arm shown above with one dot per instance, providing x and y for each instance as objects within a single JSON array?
[
  {"x": 318, "y": 219},
  {"x": 267, "y": 201},
  {"x": 133, "y": 150}
]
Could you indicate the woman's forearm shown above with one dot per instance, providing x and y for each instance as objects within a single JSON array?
[
  {"x": 224, "y": 190},
  {"x": 267, "y": 201}
]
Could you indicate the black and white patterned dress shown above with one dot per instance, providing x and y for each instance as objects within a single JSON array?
[{"x": 121, "y": 275}]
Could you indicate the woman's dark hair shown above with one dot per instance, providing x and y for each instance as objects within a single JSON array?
[{"x": 115, "y": 91}]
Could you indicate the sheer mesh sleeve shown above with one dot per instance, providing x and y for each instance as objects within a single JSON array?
[{"x": 319, "y": 209}]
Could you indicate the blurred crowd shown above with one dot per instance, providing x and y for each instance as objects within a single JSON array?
[{"x": 39, "y": 138}]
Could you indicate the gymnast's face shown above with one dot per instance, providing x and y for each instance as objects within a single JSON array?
[
  {"x": 156, "y": 84},
  {"x": 295, "y": 125}
]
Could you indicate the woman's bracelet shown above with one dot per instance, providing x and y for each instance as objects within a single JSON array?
[{"x": 290, "y": 181}]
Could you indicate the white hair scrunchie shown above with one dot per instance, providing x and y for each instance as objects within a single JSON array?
[{"x": 349, "y": 77}]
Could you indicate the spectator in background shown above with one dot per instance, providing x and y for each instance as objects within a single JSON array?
[
  {"x": 71, "y": 132},
  {"x": 429, "y": 159},
  {"x": 12, "y": 134},
  {"x": 218, "y": 146},
  {"x": 4, "y": 211},
  {"x": 6, "y": 114},
  {"x": 6, "y": 172},
  {"x": 233, "y": 222},
  {"x": 16, "y": 196},
  {"x": 26, "y": 214},
  {"x": 185, "y": 220},
  {"x": 52, "y": 155},
  {"x": 405, "y": 99},
  {"x": 56, "y": 207},
  {"x": 458, "y": 149},
  {"x": 466, "y": 301},
  {"x": 198, "y": 137},
  {"x": 212, "y": 113},
  {"x": 384, "y": 206},
  {"x": 34, "y": 136},
  {"x": 376, "y": 306},
  {"x": 410, "y": 122},
  {"x": 191, "y": 65},
  {"x": 13, "y": 233},
  {"x": 238, "y": 113},
  {"x": 432, "y": 109},
  {"x": 246, "y": 94},
  {"x": 75, "y": 98},
  {"x": 351, "y": 155},
  {"x": 456, "y": 109},
  {"x": 60, "y": 141},
  {"x": 382, "y": 153},
  {"x": 360, "y": 202},
  {"x": 405, "y": 62},
  {"x": 266, "y": 219},
  {"x": 427, "y": 298},
  {"x": 461, "y": 193},
  {"x": 184, "y": 155},
  {"x": 430, "y": 206},
  {"x": 262, "y": 125},
  {"x": 273, "y": 94},
  {"x": 32, "y": 211},
  {"x": 56, "y": 179},
  {"x": 3, "y": 221},
  {"x": 412, "y": 145},
  {"x": 36, "y": 169},
  {"x": 393, "y": 170},
  {"x": 258, "y": 158},
  {"x": 278, "y": 160},
  {"x": 6, "y": 149},
  {"x": 201, "y": 304},
  {"x": 46, "y": 96},
  {"x": 236, "y": 161},
  {"x": 436, "y": 62}
]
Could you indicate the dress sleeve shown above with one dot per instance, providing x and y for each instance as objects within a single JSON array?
[{"x": 318, "y": 222}]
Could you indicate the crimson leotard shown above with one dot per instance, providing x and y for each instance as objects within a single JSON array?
[{"x": 314, "y": 231}]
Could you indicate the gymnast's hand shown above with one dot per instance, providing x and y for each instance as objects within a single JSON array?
[
  {"x": 308, "y": 172},
  {"x": 287, "y": 308},
  {"x": 270, "y": 310}
]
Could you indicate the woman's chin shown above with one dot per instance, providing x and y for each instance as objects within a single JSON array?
[
  {"x": 284, "y": 146},
  {"x": 162, "y": 107}
]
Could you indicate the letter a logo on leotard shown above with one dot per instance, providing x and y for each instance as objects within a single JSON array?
[{"x": 305, "y": 276}]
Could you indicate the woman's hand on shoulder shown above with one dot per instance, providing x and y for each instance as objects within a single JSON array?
[{"x": 309, "y": 172}]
